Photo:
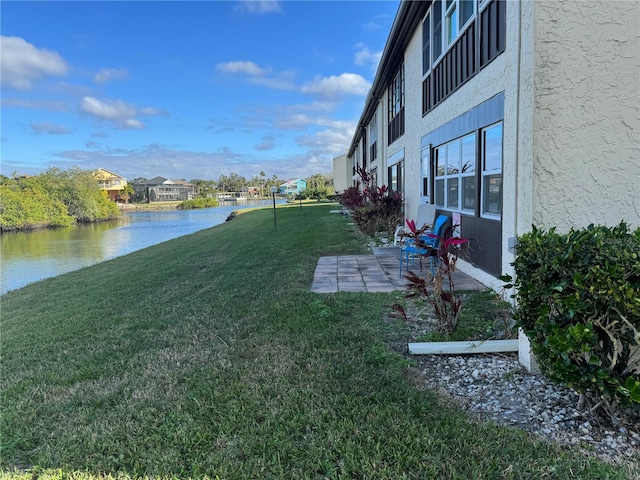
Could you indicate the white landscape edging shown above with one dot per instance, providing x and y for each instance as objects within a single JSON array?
[{"x": 457, "y": 348}]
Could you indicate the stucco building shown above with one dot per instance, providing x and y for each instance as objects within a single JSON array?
[{"x": 506, "y": 114}]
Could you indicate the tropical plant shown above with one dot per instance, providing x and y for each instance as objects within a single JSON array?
[
  {"x": 126, "y": 192},
  {"x": 373, "y": 209},
  {"x": 438, "y": 288}
]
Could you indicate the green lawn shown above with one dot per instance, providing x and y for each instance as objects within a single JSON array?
[{"x": 208, "y": 356}]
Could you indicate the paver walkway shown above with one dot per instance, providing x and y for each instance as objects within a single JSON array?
[{"x": 379, "y": 272}]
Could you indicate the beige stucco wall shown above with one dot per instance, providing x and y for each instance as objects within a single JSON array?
[
  {"x": 586, "y": 150},
  {"x": 342, "y": 177}
]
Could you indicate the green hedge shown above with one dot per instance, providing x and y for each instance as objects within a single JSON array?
[
  {"x": 197, "y": 203},
  {"x": 579, "y": 304}
]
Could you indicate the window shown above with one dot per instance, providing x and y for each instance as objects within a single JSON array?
[
  {"x": 396, "y": 174},
  {"x": 395, "y": 97},
  {"x": 459, "y": 38},
  {"x": 492, "y": 171},
  {"x": 468, "y": 173},
  {"x": 455, "y": 179},
  {"x": 364, "y": 148},
  {"x": 437, "y": 29},
  {"x": 451, "y": 20},
  {"x": 425, "y": 166},
  {"x": 373, "y": 139},
  {"x": 426, "y": 43}
]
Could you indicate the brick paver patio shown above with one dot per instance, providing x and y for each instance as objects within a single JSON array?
[{"x": 378, "y": 272}]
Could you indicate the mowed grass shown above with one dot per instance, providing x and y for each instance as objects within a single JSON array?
[{"x": 208, "y": 356}]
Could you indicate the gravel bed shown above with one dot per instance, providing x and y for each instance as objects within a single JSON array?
[{"x": 498, "y": 388}]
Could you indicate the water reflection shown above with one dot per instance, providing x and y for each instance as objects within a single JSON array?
[{"x": 31, "y": 256}]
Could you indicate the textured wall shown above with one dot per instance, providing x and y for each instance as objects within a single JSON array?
[{"x": 587, "y": 113}]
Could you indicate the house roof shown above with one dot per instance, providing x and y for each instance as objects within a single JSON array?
[
  {"x": 158, "y": 181},
  {"x": 104, "y": 174},
  {"x": 293, "y": 182}
]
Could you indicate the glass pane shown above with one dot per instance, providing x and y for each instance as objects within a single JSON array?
[
  {"x": 466, "y": 10},
  {"x": 426, "y": 43},
  {"x": 440, "y": 161},
  {"x": 393, "y": 178},
  {"x": 452, "y": 25},
  {"x": 469, "y": 154},
  {"x": 440, "y": 192},
  {"x": 492, "y": 194},
  {"x": 452, "y": 193},
  {"x": 437, "y": 29},
  {"x": 493, "y": 148},
  {"x": 425, "y": 172},
  {"x": 453, "y": 158},
  {"x": 469, "y": 193},
  {"x": 425, "y": 162}
]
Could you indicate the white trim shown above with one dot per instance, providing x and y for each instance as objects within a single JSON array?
[{"x": 457, "y": 348}]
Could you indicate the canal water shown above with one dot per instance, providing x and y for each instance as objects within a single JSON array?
[{"x": 27, "y": 257}]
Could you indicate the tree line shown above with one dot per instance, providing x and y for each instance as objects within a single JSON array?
[
  {"x": 60, "y": 198},
  {"x": 55, "y": 198},
  {"x": 318, "y": 185}
]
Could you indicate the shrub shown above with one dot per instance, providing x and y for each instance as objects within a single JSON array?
[
  {"x": 373, "y": 209},
  {"x": 578, "y": 303},
  {"x": 197, "y": 203},
  {"x": 438, "y": 288}
]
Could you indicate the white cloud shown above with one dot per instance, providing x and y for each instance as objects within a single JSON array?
[
  {"x": 120, "y": 113},
  {"x": 259, "y": 7},
  {"x": 364, "y": 56},
  {"x": 108, "y": 74},
  {"x": 334, "y": 87},
  {"x": 259, "y": 75},
  {"x": 248, "y": 68},
  {"x": 49, "y": 128},
  {"x": 21, "y": 63}
]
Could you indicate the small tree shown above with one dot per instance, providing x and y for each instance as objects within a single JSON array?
[{"x": 126, "y": 192}]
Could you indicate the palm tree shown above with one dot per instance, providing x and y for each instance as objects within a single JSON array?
[{"x": 126, "y": 192}]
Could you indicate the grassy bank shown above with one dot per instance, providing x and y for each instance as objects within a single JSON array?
[{"x": 209, "y": 356}]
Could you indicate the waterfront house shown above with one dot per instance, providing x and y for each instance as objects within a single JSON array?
[
  {"x": 160, "y": 189},
  {"x": 110, "y": 182},
  {"x": 506, "y": 115},
  {"x": 293, "y": 187}
]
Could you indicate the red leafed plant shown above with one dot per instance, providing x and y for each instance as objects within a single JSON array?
[
  {"x": 446, "y": 303},
  {"x": 372, "y": 208}
]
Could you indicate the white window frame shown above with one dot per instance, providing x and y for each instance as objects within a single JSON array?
[
  {"x": 449, "y": 9},
  {"x": 489, "y": 173},
  {"x": 425, "y": 174},
  {"x": 459, "y": 175}
]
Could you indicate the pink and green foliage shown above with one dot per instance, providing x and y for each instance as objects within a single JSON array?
[
  {"x": 373, "y": 209},
  {"x": 437, "y": 288}
]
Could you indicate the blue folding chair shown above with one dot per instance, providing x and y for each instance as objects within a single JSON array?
[{"x": 409, "y": 248}]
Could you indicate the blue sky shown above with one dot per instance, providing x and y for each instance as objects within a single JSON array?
[{"x": 186, "y": 89}]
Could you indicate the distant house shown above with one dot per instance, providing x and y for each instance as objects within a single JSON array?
[
  {"x": 110, "y": 182},
  {"x": 160, "y": 189},
  {"x": 293, "y": 187}
]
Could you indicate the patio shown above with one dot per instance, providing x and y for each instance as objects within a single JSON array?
[{"x": 378, "y": 272}]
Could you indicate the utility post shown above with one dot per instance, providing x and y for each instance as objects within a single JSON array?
[{"x": 273, "y": 193}]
